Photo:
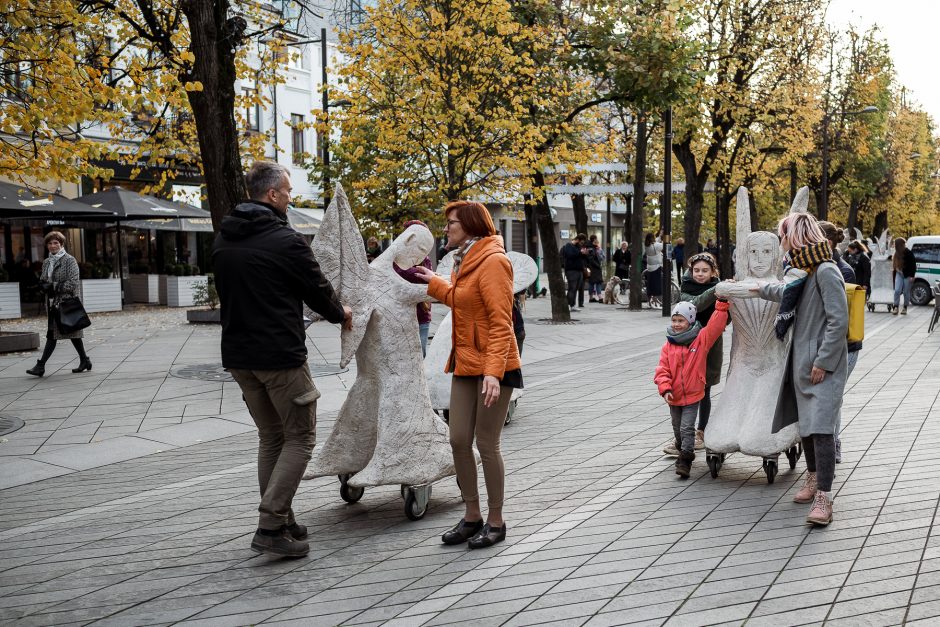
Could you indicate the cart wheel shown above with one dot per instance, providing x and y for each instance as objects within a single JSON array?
[
  {"x": 351, "y": 494},
  {"x": 792, "y": 455},
  {"x": 770, "y": 467},
  {"x": 512, "y": 410},
  {"x": 404, "y": 491},
  {"x": 714, "y": 465},
  {"x": 347, "y": 492},
  {"x": 416, "y": 501},
  {"x": 871, "y": 307}
]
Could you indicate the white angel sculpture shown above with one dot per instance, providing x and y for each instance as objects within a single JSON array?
[
  {"x": 743, "y": 416},
  {"x": 386, "y": 432},
  {"x": 882, "y": 279}
]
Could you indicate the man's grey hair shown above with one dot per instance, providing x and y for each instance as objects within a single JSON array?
[{"x": 262, "y": 176}]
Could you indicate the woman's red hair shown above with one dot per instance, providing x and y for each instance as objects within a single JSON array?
[{"x": 473, "y": 216}]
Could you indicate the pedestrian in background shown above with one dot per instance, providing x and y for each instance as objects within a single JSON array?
[
  {"x": 856, "y": 255},
  {"x": 813, "y": 303},
  {"x": 904, "y": 267},
  {"x": 373, "y": 249},
  {"x": 59, "y": 279},
  {"x": 484, "y": 361},
  {"x": 622, "y": 260},
  {"x": 680, "y": 375},
  {"x": 653, "y": 254},
  {"x": 595, "y": 263},
  {"x": 678, "y": 253},
  {"x": 574, "y": 257},
  {"x": 264, "y": 273},
  {"x": 423, "y": 310}
]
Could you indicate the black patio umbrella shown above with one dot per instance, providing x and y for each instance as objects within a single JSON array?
[
  {"x": 18, "y": 202},
  {"x": 129, "y": 205}
]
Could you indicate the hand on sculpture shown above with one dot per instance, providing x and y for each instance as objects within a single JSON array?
[
  {"x": 425, "y": 274},
  {"x": 347, "y": 320},
  {"x": 490, "y": 390}
]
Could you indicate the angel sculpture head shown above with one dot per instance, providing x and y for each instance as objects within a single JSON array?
[
  {"x": 762, "y": 252},
  {"x": 411, "y": 247}
]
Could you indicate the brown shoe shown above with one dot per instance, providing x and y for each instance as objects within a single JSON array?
[
  {"x": 821, "y": 513},
  {"x": 808, "y": 491}
]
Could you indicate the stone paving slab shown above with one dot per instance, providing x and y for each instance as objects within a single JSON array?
[{"x": 601, "y": 530}]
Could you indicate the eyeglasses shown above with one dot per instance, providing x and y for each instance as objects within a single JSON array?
[{"x": 452, "y": 222}]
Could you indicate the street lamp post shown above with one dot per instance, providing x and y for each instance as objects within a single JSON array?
[
  {"x": 665, "y": 213},
  {"x": 823, "y": 209}
]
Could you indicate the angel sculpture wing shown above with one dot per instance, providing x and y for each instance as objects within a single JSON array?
[
  {"x": 341, "y": 254},
  {"x": 800, "y": 201},
  {"x": 524, "y": 270},
  {"x": 742, "y": 230}
]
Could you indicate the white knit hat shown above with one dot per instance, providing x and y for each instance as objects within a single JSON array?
[{"x": 686, "y": 310}]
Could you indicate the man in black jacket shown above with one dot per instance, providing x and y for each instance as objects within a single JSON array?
[
  {"x": 574, "y": 256},
  {"x": 264, "y": 272}
]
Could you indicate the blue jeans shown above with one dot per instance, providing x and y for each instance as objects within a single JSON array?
[
  {"x": 902, "y": 286},
  {"x": 423, "y": 328}
]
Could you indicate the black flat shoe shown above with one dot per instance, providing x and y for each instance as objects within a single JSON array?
[
  {"x": 462, "y": 532},
  {"x": 487, "y": 536},
  {"x": 38, "y": 370},
  {"x": 84, "y": 365}
]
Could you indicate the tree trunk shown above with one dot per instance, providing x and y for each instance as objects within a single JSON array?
[
  {"x": 881, "y": 224},
  {"x": 852, "y": 220},
  {"x": 636, "y": 221},
  {"x": 755, "y": 218},
  {"x": 580, "y": 212},
  {"x": 550, "y": 248},
  {"x": 214, "y": 36},
  {"x": 532, "y": 239},
  {"x": 694, "y": 197}
]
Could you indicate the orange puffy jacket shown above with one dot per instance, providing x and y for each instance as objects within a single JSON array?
[
  {"x": 480, "y": 298},
  {"x": 681, "y": 369}
]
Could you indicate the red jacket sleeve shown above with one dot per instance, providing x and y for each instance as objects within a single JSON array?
[
  {"x": 715, "y": 327},
  {"x": 662, "y": 376}
]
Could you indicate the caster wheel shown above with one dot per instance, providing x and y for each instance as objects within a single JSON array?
[
  {"x": 714, "y": 465},
  {"x": 871, "y": 308},
  {"x": 404, "y": 491},
  {"x": 351, "y": 494},
  {"x": 445, "y": 414},
  {"x": 416, "y": 502},
  {"x": 347, "y": 492},
  {"x": 792, "y": 455},
  {"x": 512, "y": 410},
  {"x": 770, "y": 467}
]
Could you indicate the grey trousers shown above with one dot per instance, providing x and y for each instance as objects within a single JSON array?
[
  {"x": 683, "y": 425},
  {"x": 575, "y": 279},
  {"x": 283, "y": 404}
]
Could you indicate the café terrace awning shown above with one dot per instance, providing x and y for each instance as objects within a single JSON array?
[
  {"x": 127, "y": 204},
  {"x": 19, "y": 202},
  {"x": 305, "y": 221}
]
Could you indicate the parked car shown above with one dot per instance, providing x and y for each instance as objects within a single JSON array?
[{"x": 926, "y": 249}]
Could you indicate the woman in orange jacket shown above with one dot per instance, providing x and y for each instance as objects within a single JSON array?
[{"x": 484, "y": 361}]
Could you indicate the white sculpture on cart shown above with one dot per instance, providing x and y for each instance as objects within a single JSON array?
[
  {"x": 744, "y": 413},
  {"x": 882, "y": 283},
  {"x": 524, "y": 273},
  {"x": 386, "y": 431}
]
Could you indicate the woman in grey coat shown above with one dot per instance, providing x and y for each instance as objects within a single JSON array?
[
  {"x": 60, "y": 280},
  {"x": 812, "y": 301}
]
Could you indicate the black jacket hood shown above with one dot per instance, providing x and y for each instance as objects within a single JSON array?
[{"x": 248, "y": 219}]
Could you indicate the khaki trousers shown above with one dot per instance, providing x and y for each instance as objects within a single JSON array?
[
  {"x": 283, "y": 404},
  {"x": 469, "y": 418}
]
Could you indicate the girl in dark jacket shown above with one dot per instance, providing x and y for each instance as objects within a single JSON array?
[
  {"x": 698, "y": 288},
  {"x": 857, "y": 257}
]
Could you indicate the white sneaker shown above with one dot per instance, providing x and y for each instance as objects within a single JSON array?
[
  {"x": 699, "y": 440},
  {"x": 670, "y": 450}
]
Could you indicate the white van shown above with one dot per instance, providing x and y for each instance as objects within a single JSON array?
[{"x": 926, "y": 249}]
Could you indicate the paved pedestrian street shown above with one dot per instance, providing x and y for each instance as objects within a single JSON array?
[{"x": 130, "y": 496}]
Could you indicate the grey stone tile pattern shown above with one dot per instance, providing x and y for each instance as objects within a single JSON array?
[{"x": 601, "y": 531}]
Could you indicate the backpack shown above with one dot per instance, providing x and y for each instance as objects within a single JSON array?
[{"x": 855, "y": 295}]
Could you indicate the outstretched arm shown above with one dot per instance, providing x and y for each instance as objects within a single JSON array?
[{"x": 716, "y": 325}]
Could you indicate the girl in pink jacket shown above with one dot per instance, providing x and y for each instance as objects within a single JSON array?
[{"x": 680, "y": 375}]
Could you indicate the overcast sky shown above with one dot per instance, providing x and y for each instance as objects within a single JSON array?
[{"x": 911, "y": 30}]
